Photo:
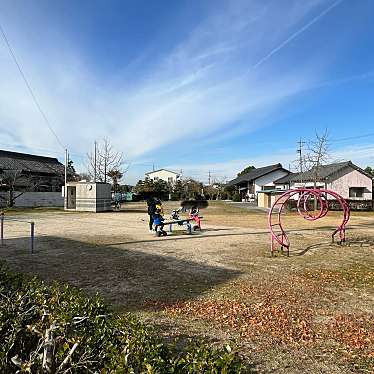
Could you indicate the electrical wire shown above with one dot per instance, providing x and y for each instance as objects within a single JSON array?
[{"x": 36, "y": 102}]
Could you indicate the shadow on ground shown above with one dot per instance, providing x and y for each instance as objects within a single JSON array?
[{"x": 124, "y": 277}]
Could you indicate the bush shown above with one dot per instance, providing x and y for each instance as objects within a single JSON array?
[
  {"x": 236, "y": 197},
  {"x": 71, "y": 333}
]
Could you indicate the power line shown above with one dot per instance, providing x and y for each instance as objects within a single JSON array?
[
  {"x": 352, "y": 137},
  {"x": 29, "y": 87}
]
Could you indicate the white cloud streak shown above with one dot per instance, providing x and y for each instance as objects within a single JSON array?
[
  {"x": 296, "y": 34},
  {"x": 200, "y": 87}
]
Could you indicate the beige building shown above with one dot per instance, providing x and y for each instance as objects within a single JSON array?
[
  {"x": 88, "y": 197},
  {"x": 163, "y": 174},
  {"x": 266, "y": 198}
]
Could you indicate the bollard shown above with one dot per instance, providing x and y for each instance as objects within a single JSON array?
[
  {"x": 32, "y": 230},
  {"x": 2, "y": 228}
]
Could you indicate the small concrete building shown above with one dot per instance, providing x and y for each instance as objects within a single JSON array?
[
  {"x": 88, "y": 197},
  {"x": 266, "y": 198}
]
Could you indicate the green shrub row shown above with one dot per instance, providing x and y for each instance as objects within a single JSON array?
[{"x": 57, "y": 329}]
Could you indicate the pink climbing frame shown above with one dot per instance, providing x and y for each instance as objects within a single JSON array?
[{"x": 304, "y": 195}]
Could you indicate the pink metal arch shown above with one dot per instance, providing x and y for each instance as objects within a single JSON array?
[{"x": 277, "y": 232}]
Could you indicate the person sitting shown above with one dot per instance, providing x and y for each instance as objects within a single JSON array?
[
  {"x": 158, "y": 221},
  {"x": 194, "y": 214}
]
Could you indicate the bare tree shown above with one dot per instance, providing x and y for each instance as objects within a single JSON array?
[
  {"x": 10, "y": 178},
  {"x": 318, "y": 155},
  {"x": 106, "y": 159}
]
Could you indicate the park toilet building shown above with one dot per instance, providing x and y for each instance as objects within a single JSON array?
[{"x": 88, "y": 197}]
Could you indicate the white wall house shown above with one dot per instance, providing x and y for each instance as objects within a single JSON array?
[
  {"x": 258, "y": 179},
  {"x": 267, "y": 181},
  {"x": 344, "y": 178},
  {"x": 163, "y": 174}
]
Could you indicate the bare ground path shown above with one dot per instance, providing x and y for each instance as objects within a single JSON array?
[{"x": 310, "y": 312}]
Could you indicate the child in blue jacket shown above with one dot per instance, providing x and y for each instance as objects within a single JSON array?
[{"x": 158, "y": 221}]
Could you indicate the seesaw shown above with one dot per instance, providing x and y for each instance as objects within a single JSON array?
[{"x": 183, "y": 221}]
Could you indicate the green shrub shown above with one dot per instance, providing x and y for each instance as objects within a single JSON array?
[
  {"x": 236, "y": 197},
  {"x": 76, "y": 334}
]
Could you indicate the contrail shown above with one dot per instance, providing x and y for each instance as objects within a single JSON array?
[{"x": 297, "y": 33}]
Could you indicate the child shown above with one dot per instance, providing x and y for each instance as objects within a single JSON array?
[
  {"x": 158, "y": 221},
  {"x": 194, "y": 214}
]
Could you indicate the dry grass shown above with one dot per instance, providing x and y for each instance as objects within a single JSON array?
[{"x": 312, "y": 312}]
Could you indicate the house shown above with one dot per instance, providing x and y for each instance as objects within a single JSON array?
[
  {"x": 31, "y": 172},
  {"x": 29, "y": 180},
  {"x": 163, "y": 174},
  {"x": 259, "y": 179},
  {"x": 344, "y": 178}
]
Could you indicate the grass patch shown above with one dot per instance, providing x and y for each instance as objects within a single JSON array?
[
  {"x": 356, "y": 275},
  {"x": 58, "y": 329}
]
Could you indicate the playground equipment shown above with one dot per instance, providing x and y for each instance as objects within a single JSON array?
[
  {"x": 32, "y": 230},
  {"x": 177, "y": 220},
  {"x": 192, "y": 222},
  {"x": 304, "y": 197}
]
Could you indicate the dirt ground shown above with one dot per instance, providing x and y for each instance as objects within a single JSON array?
[{"x": 310, "y": 312}]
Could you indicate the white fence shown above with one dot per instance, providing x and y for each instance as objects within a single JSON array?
[{"x": 35, "y": 199}]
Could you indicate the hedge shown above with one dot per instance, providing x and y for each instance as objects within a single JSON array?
[{"x": 57, "y": 329}]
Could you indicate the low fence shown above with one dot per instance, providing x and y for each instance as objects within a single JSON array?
[
  {"x": 35, "y": 199},
  {"x": 364, "y": 205},
  {"x": 3, "y": 219}
]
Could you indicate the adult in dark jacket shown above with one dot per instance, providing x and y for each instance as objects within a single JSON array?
[{"x": 151, "y": 203}]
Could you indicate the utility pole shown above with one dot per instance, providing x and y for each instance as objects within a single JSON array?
[
  {"x": 66, "y": 179},
  {"x": 209, "y": 178},
  {"x": 299, "y": 151},
  {"x": 95, "y": 160}
]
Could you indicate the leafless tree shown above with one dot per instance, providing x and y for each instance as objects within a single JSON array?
[
  {"x": 318, "y": 155},
  {"x": 84, "y": 177},
  {"x": 106, "y": 159},
  {"x": 10, "y": 178}
]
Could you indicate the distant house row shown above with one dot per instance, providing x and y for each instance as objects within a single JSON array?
[{"x": 264, "y": 184}]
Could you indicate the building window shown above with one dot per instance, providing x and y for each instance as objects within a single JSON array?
[
  {"x": 155, "y": 178},
  {"x": 170, "y": 179},
  {"x": 356, "y": 191}
]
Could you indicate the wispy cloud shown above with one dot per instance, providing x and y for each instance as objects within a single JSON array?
[
  {"x": 201, "y": 86},
  {"x": 362, "y": 155},
  {"x": 296, "y": 34}
]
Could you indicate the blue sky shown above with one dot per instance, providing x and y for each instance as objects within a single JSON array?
[{"x": 194, "y": 85}]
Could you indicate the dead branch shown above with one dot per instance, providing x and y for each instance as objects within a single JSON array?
[{"x": 67, "y": 358}]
